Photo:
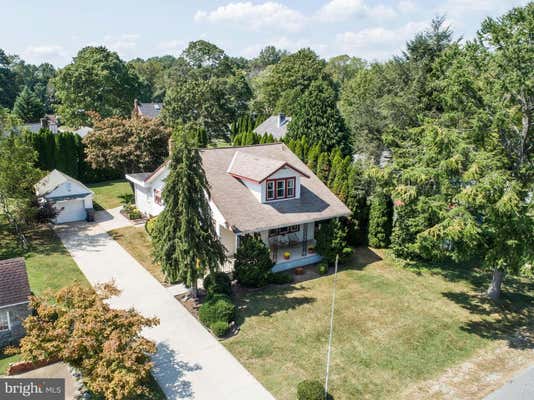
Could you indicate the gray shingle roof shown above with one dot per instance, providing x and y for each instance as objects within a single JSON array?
[
  {"x": 14, "y": 285},
  {"x": 273, "y": 126},
  {"x": 244, "y": 213},
  {"x": 150, "y": 110},
  {"x": 51, "y": 181},
  {"x": 254, "y": 167}
]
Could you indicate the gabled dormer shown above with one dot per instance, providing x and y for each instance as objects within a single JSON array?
[{"x": 268, "y": 179}]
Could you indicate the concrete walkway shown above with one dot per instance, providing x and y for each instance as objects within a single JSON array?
[
  {"x": 190, "y": 363},
  {"x": 111, "y": 219},
  {"x": 520, "y": 387}
]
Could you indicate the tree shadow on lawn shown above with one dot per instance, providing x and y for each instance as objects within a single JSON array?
[
  {"x": 361, "y": 257},
  {"x": 42, "y": 240},
  {"x": 269, "y": 301}
]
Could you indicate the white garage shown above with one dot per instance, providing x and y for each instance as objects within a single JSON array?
[{"x": 72, "y": 199}]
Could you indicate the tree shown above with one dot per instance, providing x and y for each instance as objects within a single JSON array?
[
  {"x": 323, "y": 166},
  {"x": 316, "y": 116},
  {"x": 253, "y": 263},
  {"x": 105, "y": 344},
  {"x": 184, "y": 240},
  {"x": 28, "y": 107},
  {"x": 8, "y": 86},
  {"x": 343, "y": 68},
  {"x": 18, "y": 175},
  {"x": 97, "y": 80},
  {"x": 130, "y": 145},
  {"x": 331, "y": 240},
  {"x": 380, "y": 218},
  {"x": 269, "y": 55}
]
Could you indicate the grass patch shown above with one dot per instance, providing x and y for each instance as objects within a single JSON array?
[
  {"x": 6, "y": 360},
  {"x": 394, "y": 327},
  {"x": 136, "y": 241},
  {"x": 49, "y": 264},
  {"x": 108, "y": 194}
]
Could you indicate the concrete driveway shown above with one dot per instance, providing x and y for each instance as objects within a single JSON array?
[
  {"x": 520, "y": 387},
  {"x": 190, "y": 363}
]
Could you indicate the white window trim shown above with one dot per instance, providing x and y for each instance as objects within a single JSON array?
[{"x": 6, "y": 312}]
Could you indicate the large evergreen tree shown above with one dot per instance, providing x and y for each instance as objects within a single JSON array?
[
  {"x": 28, "y": 107},
  {"x": 184, "y": 240}
]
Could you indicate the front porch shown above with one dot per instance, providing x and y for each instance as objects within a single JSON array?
[{"x": 294, "y": 255}]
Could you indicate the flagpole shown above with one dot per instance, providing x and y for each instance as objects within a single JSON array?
[{"x": 329, "y": 353}]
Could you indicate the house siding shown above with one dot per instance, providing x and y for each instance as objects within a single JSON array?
[{"x": 17, "y": 314}]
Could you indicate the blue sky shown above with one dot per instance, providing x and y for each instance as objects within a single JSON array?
[{"x": 55, "y": 30}]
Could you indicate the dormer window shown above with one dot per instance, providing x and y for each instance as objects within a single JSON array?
[{"x": 283, "y": 188}]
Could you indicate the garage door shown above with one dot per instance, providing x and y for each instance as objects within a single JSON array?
[{"x": 70, "y": 211}]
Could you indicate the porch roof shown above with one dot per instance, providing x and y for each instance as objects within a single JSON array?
[{"x": 244, "y": 213}]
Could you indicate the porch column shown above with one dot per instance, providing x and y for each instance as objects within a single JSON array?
[{"x": 304, "y": 240}]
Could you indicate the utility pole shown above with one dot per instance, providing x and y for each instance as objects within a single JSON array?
[{"x": 329, "y": 353}]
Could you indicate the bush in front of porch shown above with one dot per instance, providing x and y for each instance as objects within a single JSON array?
[{"x": 253, "y": 264}]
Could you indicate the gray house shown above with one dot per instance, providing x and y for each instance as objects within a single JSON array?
[
  {"x": 276, "y": 125},
  {"x": 14, "y": 300}
]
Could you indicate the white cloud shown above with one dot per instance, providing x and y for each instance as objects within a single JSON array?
[
  {"x": 378, "y": 42},
  {"x": 460, "y": 8},
  {"x": 406, "y": 6},
  {"x": 338, "y": 10},
  {"x": 269, "y": 15},
  {"x": 172, "y": 46},
  {"x": 121, "y": 43},
  {"x": 52, "y": 53}
]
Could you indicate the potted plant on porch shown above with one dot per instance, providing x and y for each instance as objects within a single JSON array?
[{"x": 287, "y": 255}]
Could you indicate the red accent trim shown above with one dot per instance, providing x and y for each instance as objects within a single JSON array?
[
  {"x": 286, "y": 164},
  {"x": 244, "y": 178},
  {"x": 285, "y": 196}
]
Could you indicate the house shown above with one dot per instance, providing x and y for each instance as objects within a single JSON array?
[
  {"x": 276, "y": 125},
  {"x": 147, "y": 110},
  {"x": 47, "y": 122},
  {"x": 263, "y": 190},
  {"x": 72, "y": 199},
  {"x": 14, "y": 300}
]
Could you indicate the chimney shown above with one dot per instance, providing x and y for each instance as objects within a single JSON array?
[
  {"x": 281, "y": 119},
  {"x": 44, "y": 123}
]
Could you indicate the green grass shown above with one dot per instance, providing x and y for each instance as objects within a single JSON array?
[
  {"x": 49, "y": 265},
  {"x": 6, "y": 360},
  {"x": 108, "y": 194},
  {"x": 394, "y": 327},
  {"x": 135, "y": 241}
]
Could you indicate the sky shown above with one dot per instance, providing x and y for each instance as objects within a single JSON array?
[{"x": 55, "y": 30}]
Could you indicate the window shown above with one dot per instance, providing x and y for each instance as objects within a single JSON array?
[
  {"x": 4, "y": 321},
  {"x": 270, "y": 190},
  {"x": 283, "y": 188},
  {"x": 280, "y": 188},
  {"x": 284, "y": 230},
  {"x": 157, "y": 197},
  {"x": 294, "y": 228},
  {"x": 290, "y": 187}
]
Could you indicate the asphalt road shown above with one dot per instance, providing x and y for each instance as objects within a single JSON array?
[{"x": 521, "y": 387}]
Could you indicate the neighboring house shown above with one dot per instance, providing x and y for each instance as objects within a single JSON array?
[
  {"x": 47, "y": 122},
  {"x": 147, "y": 110},
  {"x": 71, "y": 198},
  {"x": 264, "y": 190},
  {"x": 82, "y": 131},
  {"x": 276, "y": 125},
  {"x": 14, "y": 300}
]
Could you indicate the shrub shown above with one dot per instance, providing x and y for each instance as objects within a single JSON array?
[
  {"x": 127, "y": 198},
  {"x": 149, "y": 225},
  {"x": 380, "y": 218},
  {"x": 311, "y": 390},
  {"x": 331, "y": 240},
  {"x": 252, "y": 267},
  {"x": 218, "y": 307},
  {"x": 217, "y": 283},
  {"x": 322, "y": 268},
  {"x": 220, "y": 328},
  {"x": 281, "y": 278}
]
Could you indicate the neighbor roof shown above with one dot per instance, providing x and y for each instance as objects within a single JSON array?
[
  {"x": 271, "y": 125},
  {"x": 256, "y": 168},
  {"x": 150, "y": 110},
  {"x": 241, "y": 209},
  {"x": 14, "y": 286},
  {"x": 53, "y": 180}
]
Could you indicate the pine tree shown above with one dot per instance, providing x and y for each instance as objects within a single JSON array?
[
  {"x": 305, "y": 148},
  {"x": 28, "y": 107},
  {"x": 337, "y": 159},
  {"x": 380, "y": 216},
  {"x": 323, "y": 166},
  {"x": 185, "y": 243},
  {"x": 313, "y": 156},
  {"x": 340, "y": 184}
]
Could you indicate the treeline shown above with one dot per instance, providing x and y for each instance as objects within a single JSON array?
[{"x": 65, "y": 152}]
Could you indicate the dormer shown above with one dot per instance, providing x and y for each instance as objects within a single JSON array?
[{"x": 269, "y": 180}]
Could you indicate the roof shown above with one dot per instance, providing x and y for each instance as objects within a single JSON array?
[
  {"x": 256, "y": 168},
  {"x": 83, "y": 131},
  {"x": 150, "y": 110},
  {"x": 53, "y": 180},
  {"x": 14, "y": 285},
  {"x": 244, "y": 213},
  {"x": 271, "y": 125}
]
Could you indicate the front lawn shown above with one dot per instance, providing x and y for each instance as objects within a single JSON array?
[
  {"x": 108, "y": 194},
  {"x": 48, "y": 263},
  {"x": 394, "y": 327},
  {"x": 135, "y": 241}
]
